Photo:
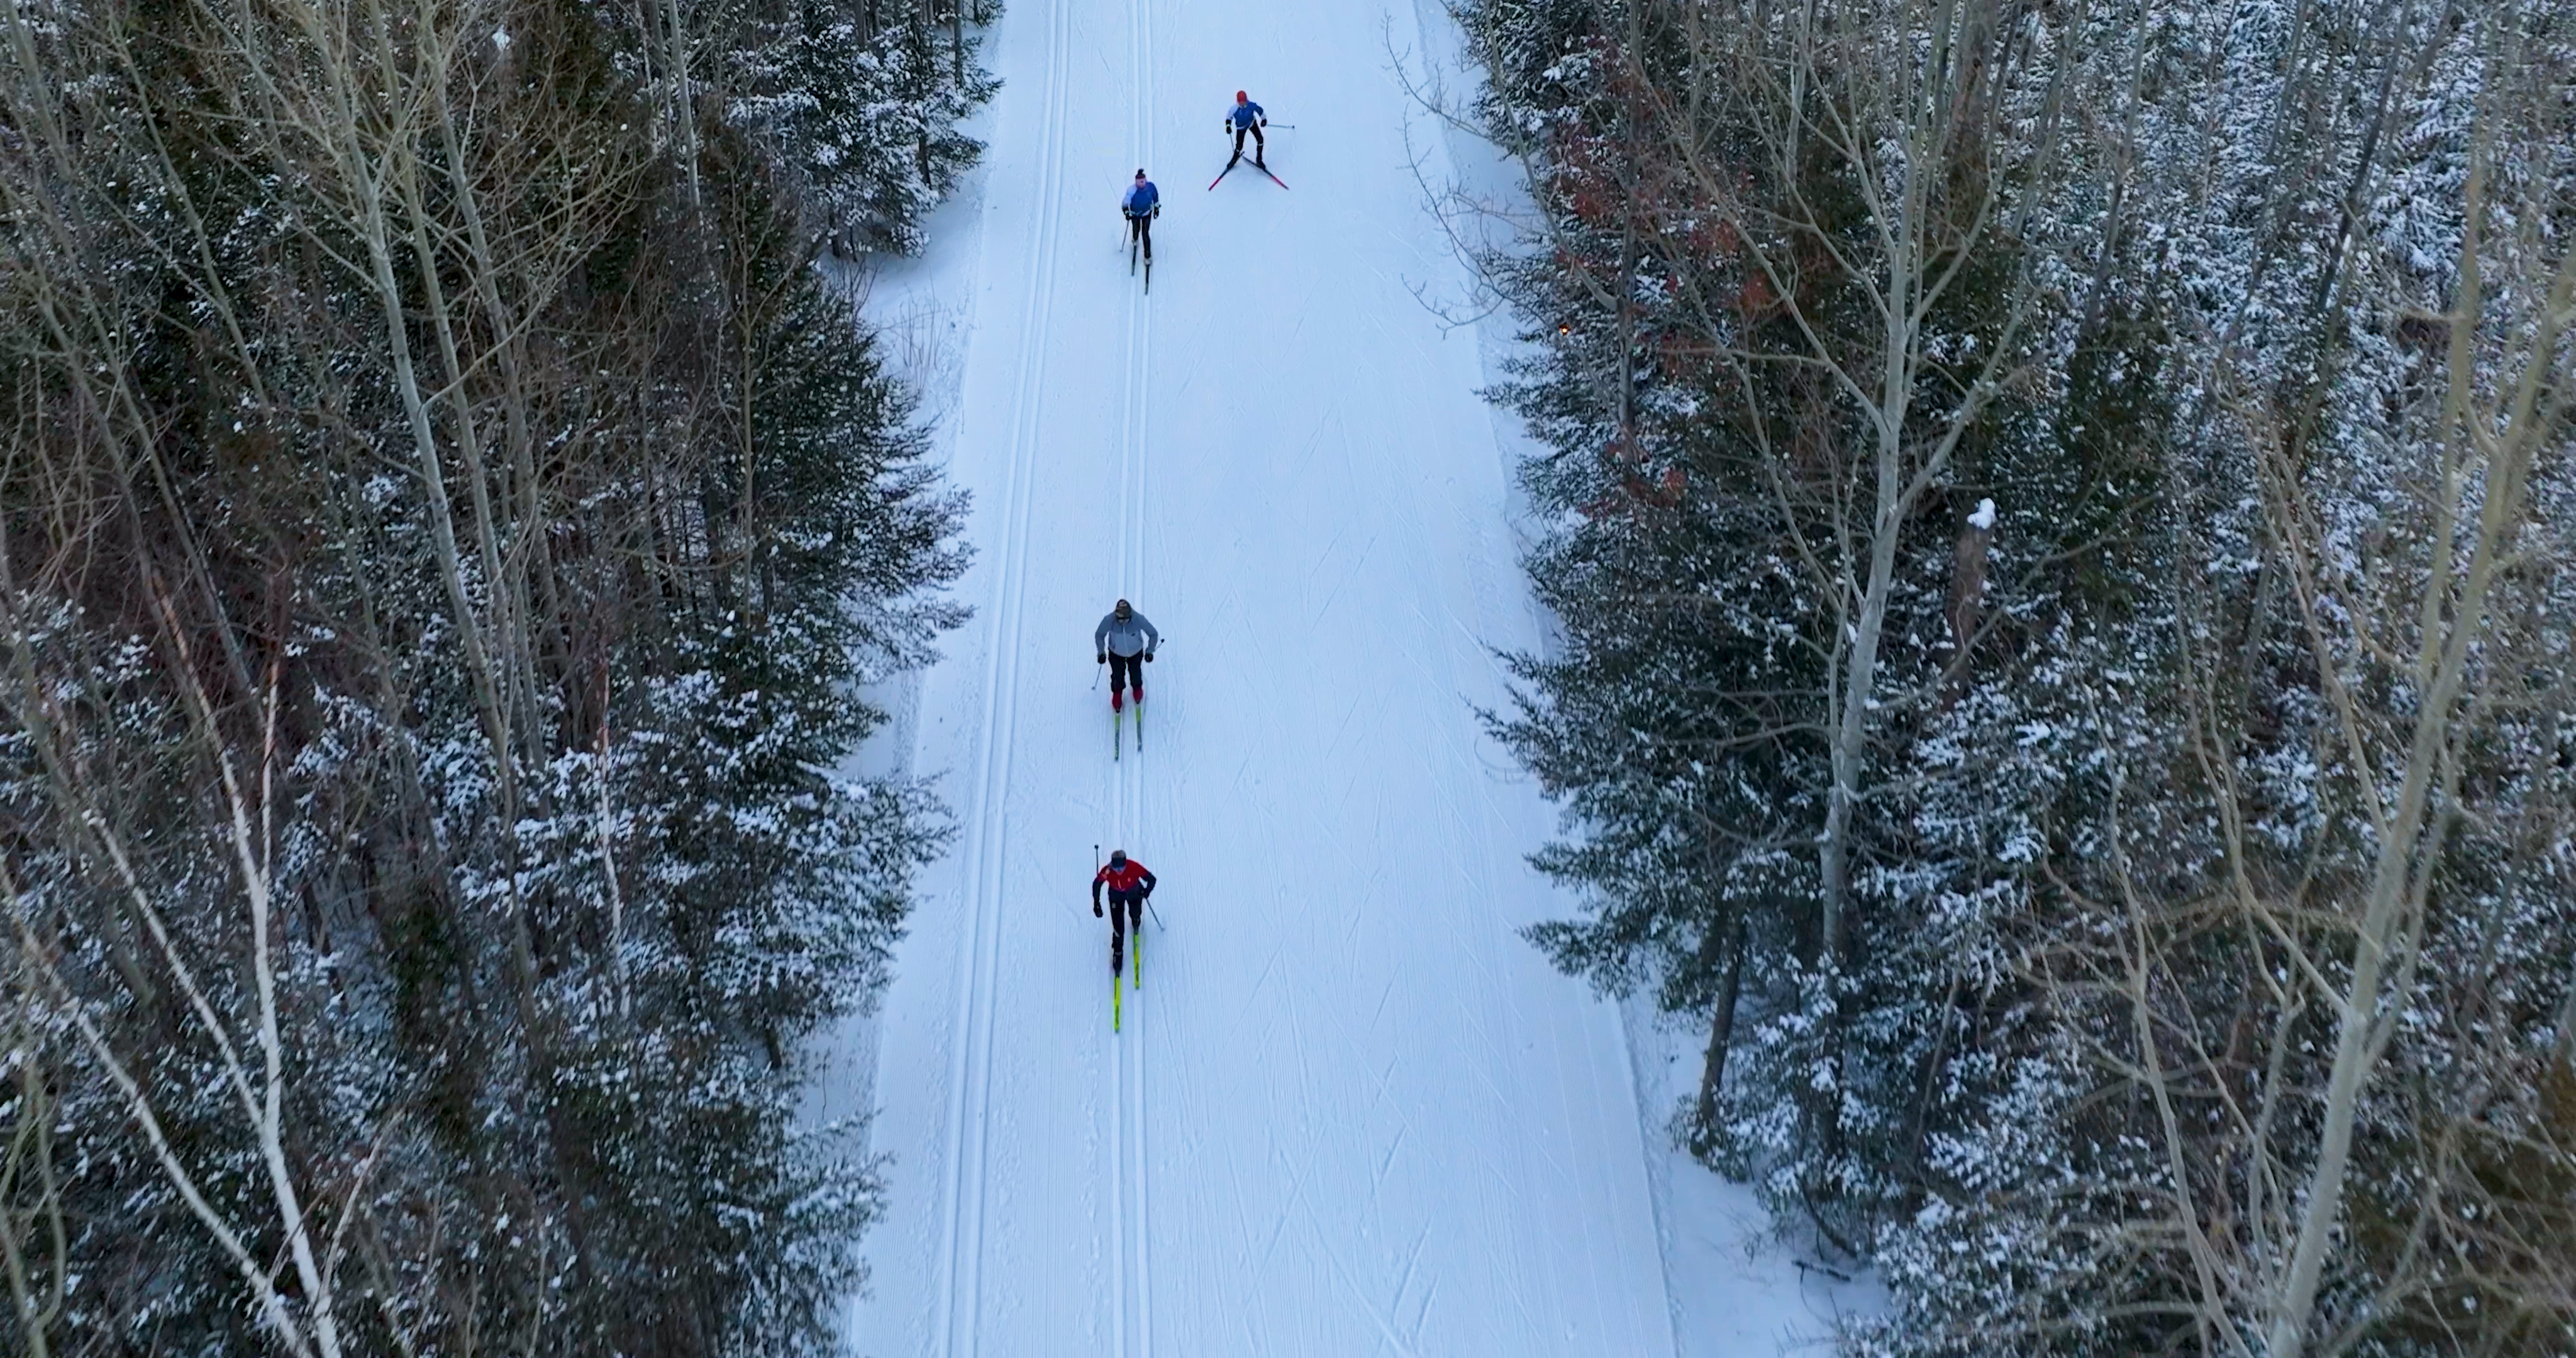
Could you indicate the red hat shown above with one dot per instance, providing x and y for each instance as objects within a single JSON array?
[{"x": 1241, "y": 98}]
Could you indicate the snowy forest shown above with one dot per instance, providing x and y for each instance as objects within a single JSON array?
[
  {"x": 447, "y": 517},
  {"x": 2059, "y": 513}
]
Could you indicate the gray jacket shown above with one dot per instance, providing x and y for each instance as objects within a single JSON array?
[{"x": 1132, "y": 637}]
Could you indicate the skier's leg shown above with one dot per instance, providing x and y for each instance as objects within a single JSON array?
[
  {"x": 1260, "y": 144},
  {"x": 1238, "y": 148},
  {"x": 1117, "y": 935},
  {"x": 1145, "y": 233}
]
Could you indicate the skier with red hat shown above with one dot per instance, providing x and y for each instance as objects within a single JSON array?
[
  {"x": 1246, "y": 116},
  {"x": 1129, "y": 884}
]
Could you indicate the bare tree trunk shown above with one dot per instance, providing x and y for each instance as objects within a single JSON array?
[
  {"x": 2487, "y": 457},
  {"x": 1721, "y": 1024}
]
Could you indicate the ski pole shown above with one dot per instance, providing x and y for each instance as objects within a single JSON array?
[
  {"x": 1158, "y": 915},
  {"x": 1095, "y": 687}
]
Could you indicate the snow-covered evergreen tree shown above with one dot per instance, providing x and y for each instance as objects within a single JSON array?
[
  {"x": 448, "y": 528},
  {"x": 2188, "y": 995},
  {"x": 862, "y": 101}
]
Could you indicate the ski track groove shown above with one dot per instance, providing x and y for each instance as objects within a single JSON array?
[
  {"x": 962, "y": 1194},
  {"x": 1131, "y": 1254},
  {"x": 1143, "y": 15}
]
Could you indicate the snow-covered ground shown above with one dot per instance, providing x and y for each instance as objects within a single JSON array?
[{"x": 1352, "y": 1111}]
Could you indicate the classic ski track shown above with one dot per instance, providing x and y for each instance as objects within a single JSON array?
[
  {"x": 1133, "y": 1292},
  {"x": 962, "y": 1194},
  {"x": 1142, "y": 17},
  {"x": 1145, "y": 439}
]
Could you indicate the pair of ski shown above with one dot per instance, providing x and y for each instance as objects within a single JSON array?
[
  {"x": 1136, "y": 951},
  {"x": 1118, "y": 733},
  {"x": 1229, "y": 169}
]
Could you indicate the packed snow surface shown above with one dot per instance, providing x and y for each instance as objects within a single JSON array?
[{"x": 1351, "y": 1111}]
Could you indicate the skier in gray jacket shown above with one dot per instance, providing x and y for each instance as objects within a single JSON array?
[{"x": 1126, "y": 642}]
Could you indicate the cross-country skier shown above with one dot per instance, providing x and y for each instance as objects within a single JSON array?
[
  {"x": 1126, "y": 642},
  {"x": 1142, "y": 205},
  {"x": 1246, "y": 116},
  {"x": 1129, "y": 884}
]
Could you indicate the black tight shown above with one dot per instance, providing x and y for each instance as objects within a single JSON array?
[
  {"x": 1127, "y": 671},
  {"x": 1124, "y": 909}
]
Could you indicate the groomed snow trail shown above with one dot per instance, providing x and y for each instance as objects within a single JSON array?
[{"x": 1351, "y": 1112}]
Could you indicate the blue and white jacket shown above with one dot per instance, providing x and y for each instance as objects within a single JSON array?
[
  {"x": 1243, "y": 115},
  {"x": 1142, "y": 199}
]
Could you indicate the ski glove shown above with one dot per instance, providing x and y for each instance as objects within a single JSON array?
[
  {"x": 1095, "y": 909},
  {"x": 1101, "y": 659},
  {"x": 1149, "y": 657}
]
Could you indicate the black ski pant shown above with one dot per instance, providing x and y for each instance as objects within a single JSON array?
[
  {"x": 1142, "y": 228},
  {"x": 1132, "y": 904},
  {"x": 1127, "y": 671},
  {"x": 1259, "y": 147}
]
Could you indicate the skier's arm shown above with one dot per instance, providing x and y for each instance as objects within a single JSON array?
[
  {"x": 1153, "y": 637},
  {"x": 1149, "y": 877},
  {"x": 1095, "y": 889},
  {"x": 1100, "y": 635}
]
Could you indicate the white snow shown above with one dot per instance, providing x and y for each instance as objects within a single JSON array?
[
  {"x": 1352, "y": 1111},
  {"x": 1983, "y": 520}
]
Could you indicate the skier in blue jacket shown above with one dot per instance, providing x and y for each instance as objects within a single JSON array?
[
  {"x": 1142, "y": 204},
  {"x": 1246, "y": 116}
]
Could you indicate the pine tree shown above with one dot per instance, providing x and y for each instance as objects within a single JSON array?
[{"x": 444, "y": 544}]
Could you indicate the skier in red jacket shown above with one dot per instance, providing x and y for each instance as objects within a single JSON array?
[{"x": 1129, "y": 884}]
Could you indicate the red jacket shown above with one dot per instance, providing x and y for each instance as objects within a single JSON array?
[{"x": 1122, "y": 879}]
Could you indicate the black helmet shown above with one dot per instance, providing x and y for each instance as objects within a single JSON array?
[
  {"x": 1117, "y": 857},
  {"x": 1123, "y": 608}
]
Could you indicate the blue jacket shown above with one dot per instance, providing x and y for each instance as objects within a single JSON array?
[
  {"x": 1241, "y": 115},
  {"x": 1142, "y": 199}
]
